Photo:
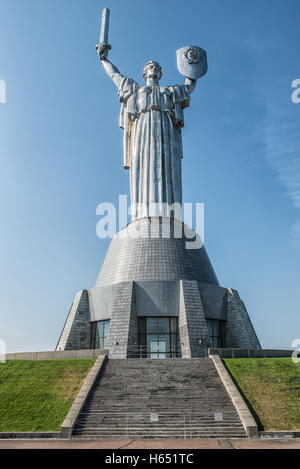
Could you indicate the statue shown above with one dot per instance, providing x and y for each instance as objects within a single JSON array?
[{"x": 152, "y": 118}]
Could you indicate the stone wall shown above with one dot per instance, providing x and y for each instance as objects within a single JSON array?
[{"x": 55, "y": 355}]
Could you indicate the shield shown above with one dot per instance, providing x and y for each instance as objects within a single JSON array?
[{"x": 192, "y": 62}]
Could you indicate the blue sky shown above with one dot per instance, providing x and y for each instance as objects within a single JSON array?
[{"x": 61, "y": 150}]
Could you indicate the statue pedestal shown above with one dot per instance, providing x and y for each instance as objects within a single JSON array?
[{"x": 160, "y": 293}]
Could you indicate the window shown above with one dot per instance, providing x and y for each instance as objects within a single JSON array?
[
  {"x": 216, "y": 331},
  {"x": 158, "y": 336},
  {"x": 99, "y": 334}
]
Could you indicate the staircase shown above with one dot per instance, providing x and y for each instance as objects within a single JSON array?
[{"x": 163, "y": 398}]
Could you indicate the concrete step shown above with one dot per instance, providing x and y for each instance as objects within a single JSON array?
[
  {"x": 180, "y": 436},
  {"x": 153, "y": 404},
  {"x": 147, "y": 409},
  {"x": 185, "y": 394},
  {"x": 178, "y": 429},
  {"x": 151, "y": 435},
  {"x": 157, "y": 432},
  {"x": 153, "y": 425}
]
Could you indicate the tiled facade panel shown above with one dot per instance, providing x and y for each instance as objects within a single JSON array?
[
  {"x": 192, "y": 324},
  {"x": 122, "y": 332},
  {"x": 154, "y": 258},
  {"x": 76, "y": 334},
  {"x": 240, "y": 332}
]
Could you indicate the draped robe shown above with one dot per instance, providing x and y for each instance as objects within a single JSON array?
[{"x": 152, "y": 118}]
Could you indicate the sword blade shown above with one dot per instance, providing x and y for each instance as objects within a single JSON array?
[{"x": 104, "y": 26}]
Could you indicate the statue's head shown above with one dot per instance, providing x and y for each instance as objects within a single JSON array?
[{"x": 152, "y": 70}]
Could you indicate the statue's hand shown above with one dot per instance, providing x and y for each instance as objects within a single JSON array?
[
  {"x": 190, "y": 81},
  {"x": 102, "y": 50}
]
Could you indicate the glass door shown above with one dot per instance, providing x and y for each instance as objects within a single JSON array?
[
  {"x": 158, "y": 336},
  {"x": 158, "y": 346}
]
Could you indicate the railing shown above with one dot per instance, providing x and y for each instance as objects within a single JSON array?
[{"x": 144, "y": 351}]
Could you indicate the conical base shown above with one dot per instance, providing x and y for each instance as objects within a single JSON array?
[
  {"x": 157, "y": 267},
  {"x": 156, "y": 248}
]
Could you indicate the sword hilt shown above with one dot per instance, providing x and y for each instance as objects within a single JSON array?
[{"x": 102, "y": 49}]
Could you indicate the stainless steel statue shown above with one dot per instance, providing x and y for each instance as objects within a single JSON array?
[{"x": 152, "y": 118}]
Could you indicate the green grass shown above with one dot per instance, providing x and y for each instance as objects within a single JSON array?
[
  {"x": 36, "y": 395},
  {"x": 271, "y": 387}
]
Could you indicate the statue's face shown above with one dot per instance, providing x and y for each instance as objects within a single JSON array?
[{"x": 152, "y": 70}]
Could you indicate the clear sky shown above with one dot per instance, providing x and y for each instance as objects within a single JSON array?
[{"x": 61, "y": 150}]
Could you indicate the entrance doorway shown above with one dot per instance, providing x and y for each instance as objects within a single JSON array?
[{"x": 158, "y": 337}]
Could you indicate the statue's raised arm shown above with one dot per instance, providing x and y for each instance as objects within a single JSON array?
[
  {"x": 103, "y": 47},
  {"x": 111, "y": 70}
]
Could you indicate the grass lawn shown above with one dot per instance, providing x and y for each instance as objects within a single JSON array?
[
  {"x": 272, "y": 388},
  {"x": 36, "y": 395}
]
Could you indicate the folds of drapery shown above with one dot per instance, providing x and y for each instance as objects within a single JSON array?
[
  {"x": 127, "y": 96},
  {"x": 179, "y": 99},
  {"x": 155, "y": 171}
]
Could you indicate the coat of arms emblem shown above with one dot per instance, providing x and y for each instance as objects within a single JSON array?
[{"x": 192, "y": 62}]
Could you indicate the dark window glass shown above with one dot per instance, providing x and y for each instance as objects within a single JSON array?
[
  {"x": 174, "y": 324},
  {"x": 141, "y": 323},
  {"x": 216, "y": 331},
  {"x": 152, "y": 325},
  {"x": 99, "y": 334},
  {"x": 105, "y": 328},
  {"x": 163, "y": 326}
]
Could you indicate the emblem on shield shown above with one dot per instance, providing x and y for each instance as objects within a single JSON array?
[{"x": 192, "y": 62}]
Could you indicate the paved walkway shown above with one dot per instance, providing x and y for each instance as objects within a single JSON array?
[{"x": 293, "y": 443}]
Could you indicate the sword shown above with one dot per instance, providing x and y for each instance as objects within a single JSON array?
[
  {"x": 103, "y": 47},
  {"x": 104, "y": 26}
]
